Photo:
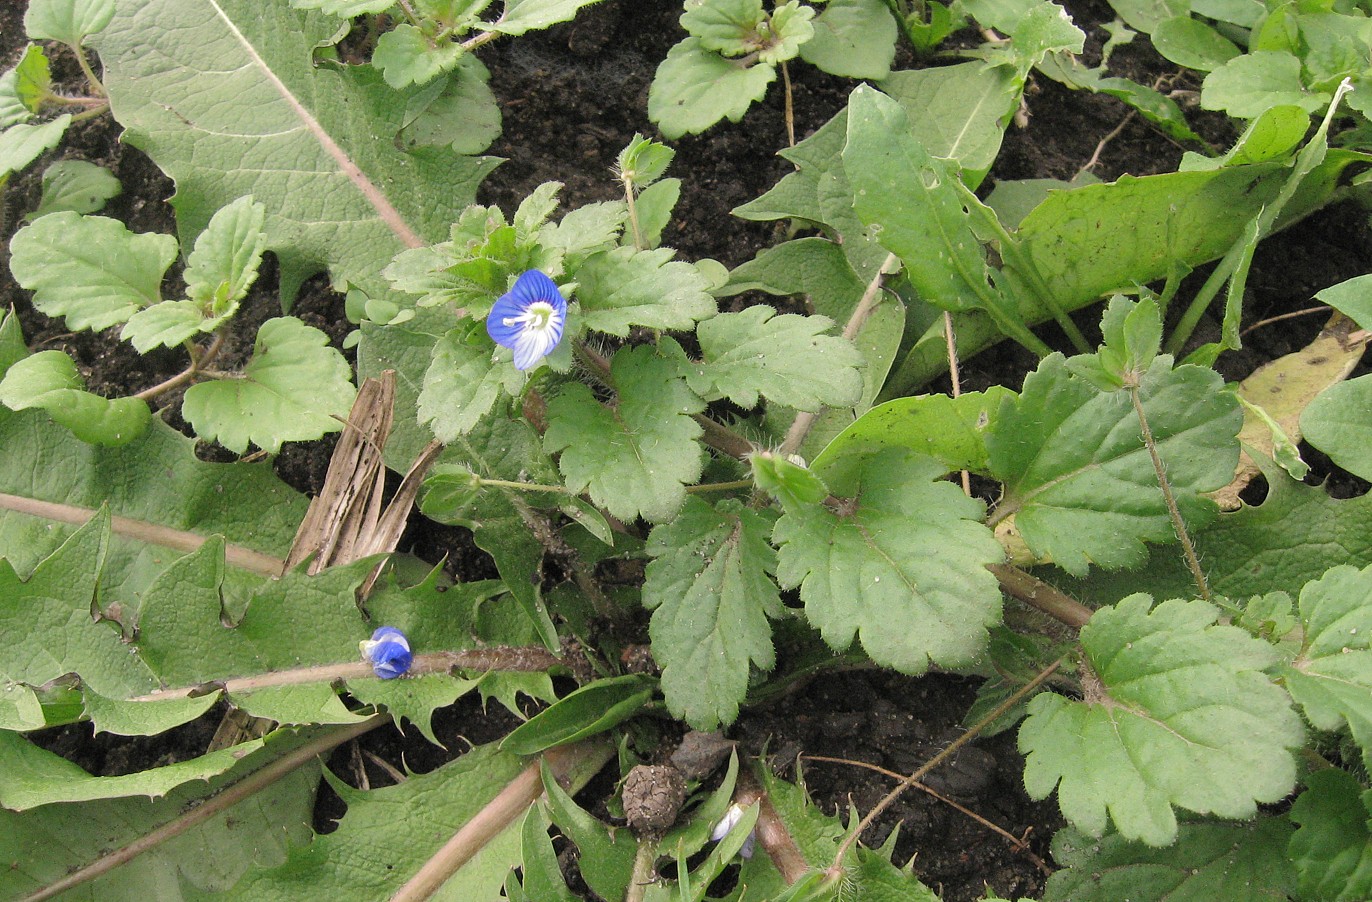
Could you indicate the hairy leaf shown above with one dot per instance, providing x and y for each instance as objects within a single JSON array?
[
  {"x": 636, "y": 458},
  {"x": 464, "y": 382},
  {"x": 906, "y": 549},
  {"x": 625, "y": 288},
  {"x": 1331, "y": 678},
  {"x": 294, "y": 388},
  {"x": 521, "y": 16},
  {"x": 1078, "y": 477},
  {"x": 711, "y": 593},
  {"x": 787, "y": 359},
  {"x": 853, "y": 38},
  {"x": 1208, "y": 862},
  {"x": 88, "y": 269},
  {"x": 694, "y": 88},
  {"x": 226, "y": 96},
  {"x": 1176, "y": 714},
  {"x": 77, "y": 186},
  {"x": 1333, "y": 847},
  {"x": 49, "y": 381},
  {"x": 21, "y": 144}
]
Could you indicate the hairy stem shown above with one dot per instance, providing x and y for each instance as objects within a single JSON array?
[
  {"x": 790, "y": 106},
  {"x": 1038, "y": 594},
  {"x": 1188, "y": 550},
  {"x": 633, "y": 212},
  {"x": 643, "y": 876},
  {"x": 226, "y": 798},
  {"x": 835, "y": 871}
]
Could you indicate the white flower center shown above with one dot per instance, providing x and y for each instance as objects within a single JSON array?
[{"x": 537, "y": 317}]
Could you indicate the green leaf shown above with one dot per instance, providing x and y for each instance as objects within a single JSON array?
[
  {"x": 387, "y": 834},
  {"x": 1352, "y": 298},
  {"x": 1176, "y": 713},
  {"x": 1331, "y": 678},
  {"x": 224, "y": 263},
  {"x": 464, "y": 382},
  {"x": 298, "y": 135},
  {"x": 607, "y": 856},
  {"x": 814, "y": 267},
  {"x": 950, "y": 430},
  {"x": 165, "y": 325},
  {"x": 521, "y": 16},
  {"x": 89, "y": 269},
  {"x": 655, "y": 206},
  {"x": 1193, "y": 44},
  {"x": 20, "y": 145},
  {"x": 1077, "y": 476},
  {"x": 459, "y": 112},
  {"x": 787, "y": 29},
  {"x": 694, "y": 88},
  {"x": 1207, "y": 862},
  {"x": 786, "y": 359},
  {"x": 929, "y": 229},
  {"x": 730, "y": 27},
  {"x": 541, "y": 875},
  {"x": 792, "y": 484},
  {"x": 711, "y": 593},
  {"x": 49, "y": 381},
  {"x": 907, "y": 547},
  {"x": 30, "y": 82},
  {"x": 635, "y": 459},
  {"x": 1248, "y": 85},
  {"x": 346, "y": 9},
  {"x": 68, "y": 21},
  {"x": 77, "y": 186},
  {"x": 407, "y": 56},
  {"x": 1336, "y": 422},
  {"x": 50, "y": 624},
  {"x": 643, "y": 161},
  {"x": 592, "y": 709},
  {"x": 854, "y": 39},
  {"x": 144, "y": 718},
  {"x": 415, "y": 698},
  {"x": 626, "y": 287},
  {"x": 295, "y": 388},
  {"x": 54, "y": 840},
  {"x": 1333, "y": 847},
  {"x": 1145, "y": 15}
]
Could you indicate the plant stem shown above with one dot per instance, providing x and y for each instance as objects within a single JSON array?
[
  {"x": 499, "y": 814},
  {"x": 226, "y": 798},
  {"x": 771, "y": 831},
  {"x": 95, "y": 84},
  {"x": 719, "y": 486},
  {"x": 141, "y": 530},
  {"x": 643, "y": 876},
  {"x": 525, "y": 486},
  {"x": 633, "y": 212},
  {"x": 954, "y": 376},
  {"x": 790, "y": 107},
  {"x": 1187, "y": 548},
  {"x": 198, "y": 363},
  {"x": 805, "y": 420},
  {"x": 1038, "y": 594},
  {"x": 835, "y": 870}
]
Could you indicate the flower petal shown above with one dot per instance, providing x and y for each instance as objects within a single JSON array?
[{"x": 388, "y": 651}]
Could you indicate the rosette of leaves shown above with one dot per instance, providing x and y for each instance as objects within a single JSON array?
[
  {"x": 95, "y": 274},
  {"x": 733, "y": 48}
]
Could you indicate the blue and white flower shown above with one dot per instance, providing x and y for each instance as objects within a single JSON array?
[
  {"x": 388, "y": 651},
  {"x": 528, "y": 319},
  {"x": 728, "y": 823}
]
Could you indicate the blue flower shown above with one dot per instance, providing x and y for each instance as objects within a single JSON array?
[
  {"x": 388, "y": 651},
  {"x": 528, "y": 319}
]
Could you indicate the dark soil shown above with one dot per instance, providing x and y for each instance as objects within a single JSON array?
[{"x": 572, "y": 97}]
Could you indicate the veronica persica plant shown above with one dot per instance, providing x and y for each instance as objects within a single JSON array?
[{"x": 528, "y": 319}]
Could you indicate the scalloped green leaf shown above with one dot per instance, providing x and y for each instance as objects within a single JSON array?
[
  {"x": 68, "y": 21},
  {"x": 223, "y": 265},
  {"x": 522, "y": 16},
  {"x": 1078, "y": 477},
  {"x": 1331, "y": 677},
  {"x": 694, "y": 88},
  {"x": 49, "y": 381},
  {"x": 21, "y": 144},
  {"x": 787, "y": 359},
  {"x": 459, "y": 112},
  {"x": 854, "y": 39},
  {"x": 710, "y": 589},
  {"x": 407, "y": 56},
  {"x": 1176, "y": 713},
  {"x": 77, "y": 186},
  {"x": 1208, "y": 862},
  {"x": 295, "y": 388},
  {"x": 634, "y": 459},
  {"x": 626, "y": 287},
  {"x": 31, "y": 83},
  {"x": 907, "y": 547},
  {"x": 90, "y": 270},
  {"x": 1333, "y": 847},
  {"x": 464, "y": 382}
]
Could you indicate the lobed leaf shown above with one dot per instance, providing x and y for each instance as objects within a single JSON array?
[
  {"x": 68, "y": 21},
  {"x": 522, "y": 16},
  {"x": 625, "y": 287},
  {"x": 1332, "y": 850},
  {"x": 295, "y": 388},
  {"x": 1077, "y": 476},
  {"x": 901, "y": 565},
  {"x": 464, "y": 382},
  {"x": 89, "y": 269},
  {"x": 224, "y": 263},
  {"x": 694, "y": 88},
  {"x": 634, "y": 459},
  {"x": 710, "y": 589},
  {"x": 1176, "y": 713},
  {"x": 787, "y": 359}
]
